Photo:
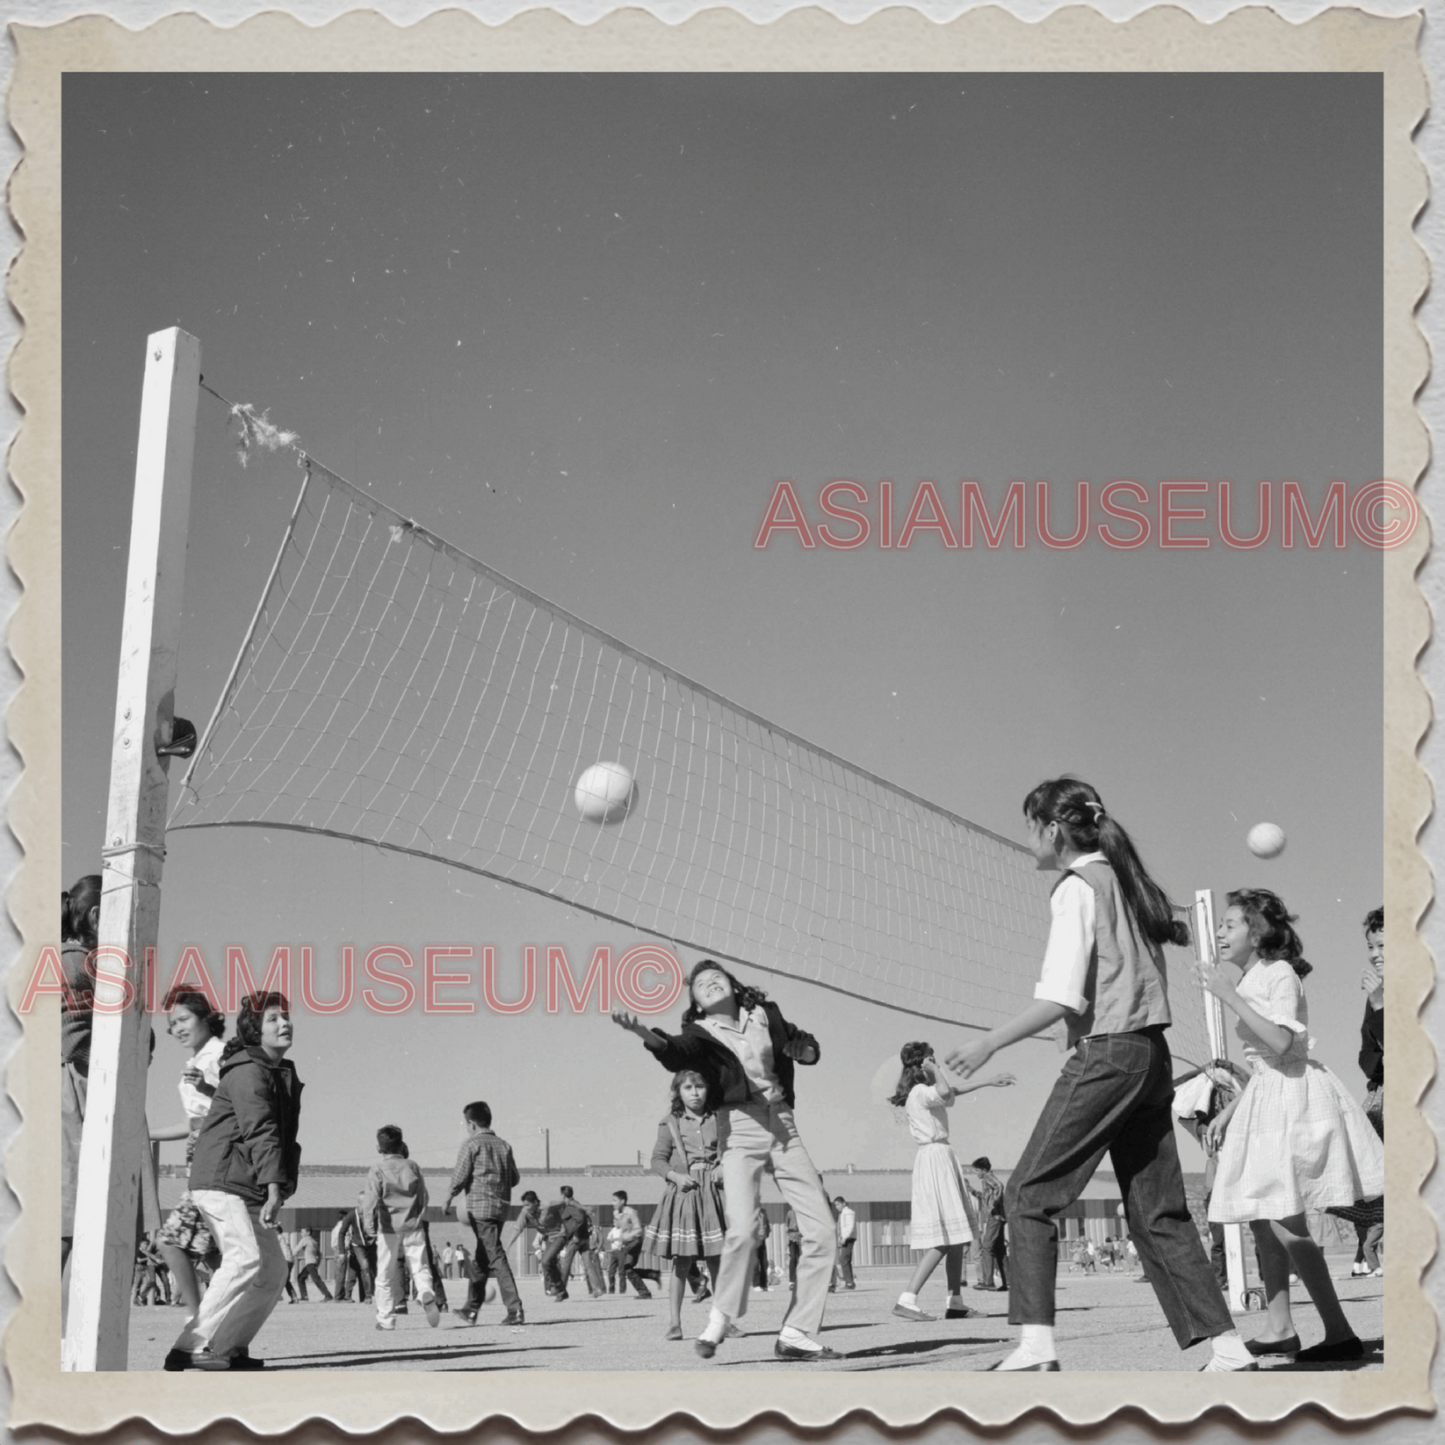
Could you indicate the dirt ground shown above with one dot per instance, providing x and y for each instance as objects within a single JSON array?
[{"x": 1105, "y": 1322}]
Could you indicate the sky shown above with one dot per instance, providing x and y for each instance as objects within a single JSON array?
[{"x": 581, "y": 325}]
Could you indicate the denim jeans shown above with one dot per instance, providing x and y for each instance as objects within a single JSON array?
[
  {"x": 490, "y": 1261},
  {"x": 1113, "y": 1097}
]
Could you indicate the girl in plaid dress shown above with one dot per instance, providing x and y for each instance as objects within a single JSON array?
[
  {"x": 689, "y": 1224},
  {"x": 1294, "y": 1139},
  {"x": 183, "y": 1240},
  {"x": 941, "y": 1222}
]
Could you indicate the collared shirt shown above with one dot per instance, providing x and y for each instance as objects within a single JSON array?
[
  {"x": 847, "y": 1222},
  {"x": 751, "y": 1041},
  {"x": 486, "y": 1170},
  {"x": 196, "y": 1098},
  {"x": 1065, "y": 975}
]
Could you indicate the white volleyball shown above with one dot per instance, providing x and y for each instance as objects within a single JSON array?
[
  {"x": 604, "y": 792},
  {"x": 1266, "y": 840}
]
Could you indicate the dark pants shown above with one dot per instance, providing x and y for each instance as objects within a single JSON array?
[
  {"x": 1113, "y": 1097},
  {"x": 845, "y": 1262},
  {"x": 795, "y": 1253},
  {"x": 760, "y": 1267},
  {"x": 355, "y": 1270},
  {"x": 591, "y": 1269},
  {"x": 490, "y": 1260},
  {"x": 992, "y": 1252},
  {"x": 309, "y": 1271},
  {"x": 629, "y": 1254},
  {"x": 1218, "y": 1261}
]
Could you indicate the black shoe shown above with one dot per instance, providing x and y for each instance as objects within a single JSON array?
[
  {"x": 1350, "y": 1349},
  {"x": 1024, "y": 1369},
  {"x": 964, "y": 1314},
  {"x": 706, "y": 1348},
  {"x": 466, "y": 1317},
  {"x": 514, "y": 1317},
  {"x": 560, "y": 1297},
  {"x": 242, "y": 1360},
  {"x": 641, "y": 1294},
  {"x": 1287, "y": 1346},
  {"x": 796, "y": 1352}
]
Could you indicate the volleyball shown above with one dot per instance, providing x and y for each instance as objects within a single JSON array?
[
  {"x": 1266, "y": 840},
  {"x": 604, "y": 792}
]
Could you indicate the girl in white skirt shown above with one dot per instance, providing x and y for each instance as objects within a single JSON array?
[
  {"x": 941, "y": 1223},
  {"x": 1294, "y": 1140}
]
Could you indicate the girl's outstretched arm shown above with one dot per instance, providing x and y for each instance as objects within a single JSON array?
[
  {"x": 633, "y": 1025},
  {"x": 1222, "y": 980},
  {"x": 1041, "y": 1014},
  {"x": 994, "y": 1081}
]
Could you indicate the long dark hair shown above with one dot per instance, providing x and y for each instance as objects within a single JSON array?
[
  {"x": 746, "y": 995},
  {"x": 248, "y": 1021},
  {"x": 1079, "y": 811},
  {"x": 1271, "y": 927},
  {"x": 912, "y": 1057},
  {"x": 75, "y": 905},
  {"x": 198, "y": 1004}
]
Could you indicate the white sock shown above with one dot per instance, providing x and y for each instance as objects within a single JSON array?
[
  {"x": 908, "y": 1301},
  {"x": 716, "y": 1328},
  {"x": 791, "y": 1335},
  {"x": 955, "y": 1301},
  {"x": 1229, "y": 1348},
  {"x": 1035, "y": 1346}
]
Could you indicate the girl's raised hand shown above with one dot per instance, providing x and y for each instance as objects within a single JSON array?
[
  {"x": 1220, "y": 979},
  {"x": 633, "y": 1025},
  {"x": 964, "y": 1062}
]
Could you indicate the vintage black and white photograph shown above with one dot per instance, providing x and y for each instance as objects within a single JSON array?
[{"x": 723, "y": 721}]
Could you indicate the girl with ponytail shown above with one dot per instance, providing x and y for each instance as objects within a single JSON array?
[
  {"x": 1104, "y": 977},
  {"x": 941, "y": 1220}
]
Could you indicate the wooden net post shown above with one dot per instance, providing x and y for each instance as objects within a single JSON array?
[
  {"x": 1218, "y": 1049},
  {"x": 115, "y": 1148}
]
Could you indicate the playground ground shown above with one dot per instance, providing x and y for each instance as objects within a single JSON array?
[{"x": 1105, "y": 1322}]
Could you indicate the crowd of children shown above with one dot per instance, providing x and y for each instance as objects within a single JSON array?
[{"x": 1291, "y": 1141}]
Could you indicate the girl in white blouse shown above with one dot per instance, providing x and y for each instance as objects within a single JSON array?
[{"x": 1294, "y": 1139}]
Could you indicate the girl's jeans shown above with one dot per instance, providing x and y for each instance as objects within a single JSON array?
[{"x": 1113, "y": 1097}]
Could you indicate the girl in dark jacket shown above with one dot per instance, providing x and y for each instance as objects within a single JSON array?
[
  {"x": 245, "y": 1164},
  {"x": 745, "y": 1050}
]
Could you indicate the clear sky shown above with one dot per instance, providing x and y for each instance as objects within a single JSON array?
[{"x": 579, "y": 326}]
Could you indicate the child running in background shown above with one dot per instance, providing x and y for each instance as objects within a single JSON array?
[
  {"x": 689, "y": 1223},
  {"x": 1294, "y": 1139},
  {"x": 940, "y": 1213},
  {"x": 183, "y": 1239},
  {"x": 394, "y": 1202},
  {"x": 1104, "y": 974}
]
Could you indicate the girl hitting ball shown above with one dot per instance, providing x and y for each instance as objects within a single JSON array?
[
  {"x": 1294, "y": 1139},
  {"x": 1104, "y": 976},
  {"x": 939, "y": 1217},
  {"x": 745, "y": 1050}
]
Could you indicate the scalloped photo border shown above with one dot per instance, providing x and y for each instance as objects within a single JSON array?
[{"x": 1164, "y": 39}]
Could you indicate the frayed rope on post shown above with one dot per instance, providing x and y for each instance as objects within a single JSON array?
[{"x": 258, "y": 431}]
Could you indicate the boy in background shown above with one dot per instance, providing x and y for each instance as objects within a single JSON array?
[
  {"x": 393, "y": 1203},
  {"x": 484, "y": 1177}
]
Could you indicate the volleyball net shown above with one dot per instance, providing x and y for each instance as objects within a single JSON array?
[{"x": 394, "y": 691}]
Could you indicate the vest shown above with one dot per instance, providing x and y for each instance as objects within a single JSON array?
[{"x": 1126, "y": 986}]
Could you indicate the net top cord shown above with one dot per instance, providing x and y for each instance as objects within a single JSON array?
[{"x": 395, "y": 691}]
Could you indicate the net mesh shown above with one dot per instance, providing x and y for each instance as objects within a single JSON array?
[{"x": 394, "y": 691}]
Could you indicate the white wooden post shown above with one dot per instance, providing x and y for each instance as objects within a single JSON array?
[
  {"x": 115, "y": 1147},
  {"x": 1218, "y": 1049}
]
